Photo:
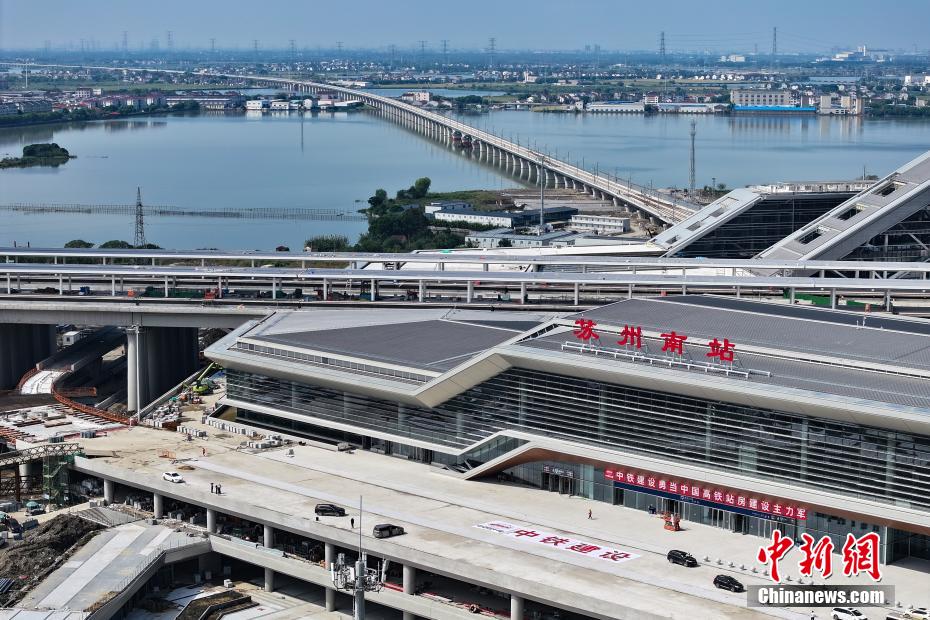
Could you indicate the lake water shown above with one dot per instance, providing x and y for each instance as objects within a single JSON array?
[{"x": 335, "y": 161}]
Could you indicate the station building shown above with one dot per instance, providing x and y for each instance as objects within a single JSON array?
[{"x": 748, "y": 416}]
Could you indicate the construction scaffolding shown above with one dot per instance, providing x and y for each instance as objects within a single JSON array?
[{"x": 55, "y": 478}]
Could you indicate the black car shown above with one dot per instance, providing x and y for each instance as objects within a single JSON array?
[
  {"x": 329, "y": 510},
  {"x": 725, "y": 582},
  {"x": 681, "y": 557},
  {"x": 386, "y": 530}
]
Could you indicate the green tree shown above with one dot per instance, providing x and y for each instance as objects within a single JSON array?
[
  {"x": 420, "y": 187},
  {"x": 378, "y": 199},
  {"x": 116, "y": 244},
  {"x": 504, "y": 243},
  {"x": 79, "y": 243},
  {"x": 327, "y": 243}
]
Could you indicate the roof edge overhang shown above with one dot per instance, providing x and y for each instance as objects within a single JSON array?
[
  {"x": 545, "y": 448},
  {"x": 500, "y": 358}
]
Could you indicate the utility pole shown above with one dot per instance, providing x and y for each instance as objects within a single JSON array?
[
  {"x": 361, "y": 579},
  {"x": 542, "y": 193},
  {"x": 597, "y": 58},
  {"x": 693, "y": 134},
  {"x": 774, "y": 45},
  {"x": 139, "y": 238},
  {"x": 492, "y": 46}
]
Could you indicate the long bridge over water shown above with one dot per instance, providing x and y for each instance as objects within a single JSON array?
[
  {"x": 530, "y": 165},
  {"x": 523, "y": 162}
]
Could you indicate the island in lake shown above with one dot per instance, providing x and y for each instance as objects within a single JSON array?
[{"x": 47, "y": 154}]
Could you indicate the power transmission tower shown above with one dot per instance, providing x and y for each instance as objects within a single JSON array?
[
  {"x": 662, "y": 46},
  {"x": 492, "y": 46},
  {"x": 169, "y": 40},
  {"x": 422, "y": 53},
  {"x": 255, "y": 48},
  {"x": 212, "y": 45},
  {"x": 139, "y": 238},
  {"x": 393, "y": 50},
  {"x": 693, "y": 134},
  {"x": 339, "y": 48},
  {"x": 445, "y": 54},
  {"x": 293, "y": 49},
  {"x": 125, "y": 44}
]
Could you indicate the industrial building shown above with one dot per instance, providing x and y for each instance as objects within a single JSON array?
[
  {"x": 599, "y": 224},
  {"x": 504, "y": 219},
  {"x": 757, "y": 417}
]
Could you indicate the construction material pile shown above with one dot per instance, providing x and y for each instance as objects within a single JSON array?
[{"x": 42, "y": 549}]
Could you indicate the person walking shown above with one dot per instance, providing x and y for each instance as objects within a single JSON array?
[
  {"x": 590, "y": 514},
  {"x": 352, "y": 522}
]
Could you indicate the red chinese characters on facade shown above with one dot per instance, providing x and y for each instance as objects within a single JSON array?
[
  {"x": 631, "y": 337},
  {"x": 723, "y": 497},
  {"x": 723, "y": 351},
  {"x": 674, "y": 342},
  {"x": 585, "y": 330},
  {"x": 771, "y": 554},
  {"x": 860, "y": 555}
]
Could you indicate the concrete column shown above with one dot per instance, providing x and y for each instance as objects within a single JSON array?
[
  {"x": 833, "y": 298},
  {"x": 158, "y": 504},
  {"x": 269, "y": 580},
  {"x": 109, "y": 490},
  {"x": 268, "y": 538},
  {"x": 132, "y": 368},
  {"x": 374, "y": 290},
  {"x": 516, "y": 607},
  {"x": 410, "y": 579},
  {"x": 470, "y": 292},
  {"x": 422, "y": 292},
  {"x": 21, "y": 346},
  {"x": 523, "y": 292},
  {"x": 325, "y": 289},
  {"x": 211, "y": 521},
  {"x": 576, "y": 293},
  {"x": 329, "y": 556}
]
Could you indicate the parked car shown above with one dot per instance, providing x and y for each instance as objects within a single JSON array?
[
  {"x": 918, "y": 613},
  {"x": 725, "y": 582},
  {"x": 172, "y": 476},
  {"x": 681, "y": 557},
  {"x": 847, "y": 613},
  {"x": 329, "y": 510},
  {"x": 387, "y": 530}
]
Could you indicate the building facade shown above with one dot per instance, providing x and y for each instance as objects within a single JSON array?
[{"x": 800, "y": 420}]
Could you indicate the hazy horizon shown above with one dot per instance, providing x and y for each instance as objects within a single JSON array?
[{"x": 715, "y": 25}]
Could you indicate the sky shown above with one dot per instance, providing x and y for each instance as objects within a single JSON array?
[{"x": 713, "y": 25}]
